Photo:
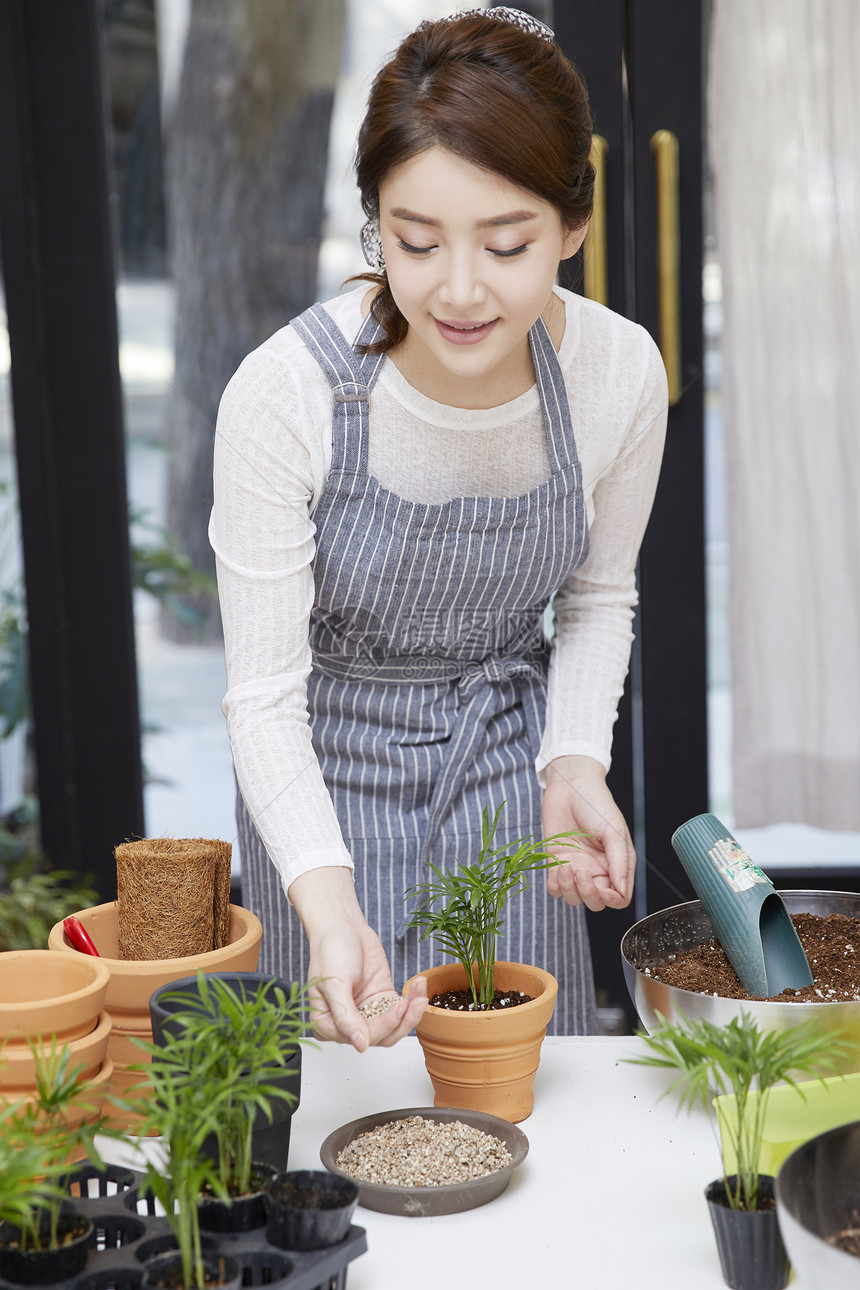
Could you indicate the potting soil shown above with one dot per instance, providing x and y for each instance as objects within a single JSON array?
[
  {"x": 462, "y": 1001},
  {"x": 847, "y": 1241},
  {"x": 832, "y": 946}
]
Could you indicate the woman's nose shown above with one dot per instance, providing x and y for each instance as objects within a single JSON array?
[{"x": 461, "y": 285}]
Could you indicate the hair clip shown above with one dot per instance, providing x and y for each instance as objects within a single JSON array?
[
  {"x": 515, "y": 17},
  {"x": 371, "y": 244}
]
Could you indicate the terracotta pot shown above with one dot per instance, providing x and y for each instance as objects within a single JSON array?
[
  {"x": 486, "y": 1061},
  {"x": 18, "y": 1063},
  {"x": 42, "y": 995},
  {"x": 131, "y": 982}
]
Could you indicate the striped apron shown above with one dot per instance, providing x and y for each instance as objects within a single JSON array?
[{"x": 428, "y": 689}]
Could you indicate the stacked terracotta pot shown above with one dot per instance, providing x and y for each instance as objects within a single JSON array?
[
  {"x": 132, "y": 981},
  {"x": 45, "y": 999}
]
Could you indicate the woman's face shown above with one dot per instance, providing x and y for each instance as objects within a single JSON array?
[{"x": 471, "y": 261}]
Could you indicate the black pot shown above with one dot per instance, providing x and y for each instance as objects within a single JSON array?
[
  {"x": 752, "y": 1255},
  {"x": 41, "y": 1267},
  {"x": 245, "y": 1213},
  {"x": 161, "y": 1272},
  {"x": 308, "y": 1209},
  {"x": 270, "y": 1140}
]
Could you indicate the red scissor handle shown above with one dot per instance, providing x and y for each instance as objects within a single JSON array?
[{"x": 79, "y": 936}]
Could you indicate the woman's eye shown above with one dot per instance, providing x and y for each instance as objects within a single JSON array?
[
  {"x": 413, "y": 250},
  {"x": 506, "y": 255}
]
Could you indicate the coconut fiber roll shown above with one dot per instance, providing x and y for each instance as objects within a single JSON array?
[
  {"x": 222, "y": 853},
  {"x": 165, "y": 898}
]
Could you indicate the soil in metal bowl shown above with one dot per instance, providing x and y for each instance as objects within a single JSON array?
[
  {"x": 848, "y": 1241},
  {"x": 832, "y": 946},
  {"x": 462, "y": 1001}
]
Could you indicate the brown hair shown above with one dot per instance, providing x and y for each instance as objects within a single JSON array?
[{"x": 505, "y": 99}]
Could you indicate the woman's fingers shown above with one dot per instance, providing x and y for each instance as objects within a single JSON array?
[
  {"x": 335, "y": 1017},
  {"x": 401, "y": 1017}
]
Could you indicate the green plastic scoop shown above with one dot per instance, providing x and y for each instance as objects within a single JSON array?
[{"x": 751, "y": 922}]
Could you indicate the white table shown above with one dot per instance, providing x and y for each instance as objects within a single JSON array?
[{"x": 610, "y": 1196}]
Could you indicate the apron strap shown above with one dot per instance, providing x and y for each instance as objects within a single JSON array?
[
  {"x": 351, "y": 376},
  {"x": 560, "y": 440}
]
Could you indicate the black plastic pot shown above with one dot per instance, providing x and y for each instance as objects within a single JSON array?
[
  {"x": 127, "y": 1233},
  {"x": 270, "y": 1141},
  {"x": 749, "y": 1242},
  {"x": 245, "y": 1214},
  {"x": 42, "y": 1267},
  {"x": 308, "y": 1209},
  {"x": 160, "y": 1272}
]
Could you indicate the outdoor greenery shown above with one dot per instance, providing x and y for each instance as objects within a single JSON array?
[
  {"x": 210, "y": 1079},
  {"x": 33, "y": 896},
  {"x": 463, "y": 908},
  {"x": 161, "y": 569},
  {"x": 36, "y": 1145},
  {"x": 746, "y": 1062},
  {"x": 36, "y": 897},
  {"x": 158, "y": 567}
]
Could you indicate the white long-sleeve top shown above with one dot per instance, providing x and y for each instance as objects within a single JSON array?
[{"x": 272, "y": 457}]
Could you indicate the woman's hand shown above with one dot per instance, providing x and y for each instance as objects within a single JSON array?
[
  {"x": 348, "y": 967},
  {"x": 599, "y": 875}
]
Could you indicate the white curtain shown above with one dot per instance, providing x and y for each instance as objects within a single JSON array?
[{"x": 784, "y": 127}]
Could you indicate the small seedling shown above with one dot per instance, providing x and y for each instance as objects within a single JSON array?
[
  {"x": 463, "y": 909},
  {"x": 740, "y": 1059},
  {"x": 210, "y": 1079},
  {"x": 36, "y": 1144}
]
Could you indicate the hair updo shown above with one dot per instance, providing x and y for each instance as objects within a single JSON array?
[{"x": 502, "y": 98}]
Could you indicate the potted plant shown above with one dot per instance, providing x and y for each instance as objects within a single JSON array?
[
  {"x": 482, "y": 1054},
  {"x": 745, "y": 1063},
  {"x": 178, "y": 1099},
  {"x": 42, "y": 1237},
  {"x": 250, "y": 1028},
  {"x": 213, "y": 1071}
]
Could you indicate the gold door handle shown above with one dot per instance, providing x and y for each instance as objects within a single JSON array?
[
  {"x": 595, "y": 253},
  {"x": 664, "y": 145}
]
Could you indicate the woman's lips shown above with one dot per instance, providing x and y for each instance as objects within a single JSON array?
[{"x": 464, "y": 333}]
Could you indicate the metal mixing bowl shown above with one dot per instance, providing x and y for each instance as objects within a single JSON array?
[
  {"x": 683, "y": 926},
  {"x": 818, "y": 1194}
]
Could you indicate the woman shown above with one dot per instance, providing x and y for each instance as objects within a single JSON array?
[{"x": 405, "y": 476}]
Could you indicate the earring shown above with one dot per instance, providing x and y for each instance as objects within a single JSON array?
[{"x": 371, "y": 244}]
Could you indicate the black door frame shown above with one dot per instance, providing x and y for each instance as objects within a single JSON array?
[
  {"x": 57, "y": 244},
  {"x": 642, "y": 62}
]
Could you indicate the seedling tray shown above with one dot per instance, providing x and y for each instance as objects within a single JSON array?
[
  {"x": 794, "y": 1115},
  {"x": 127, "y": 1232}
]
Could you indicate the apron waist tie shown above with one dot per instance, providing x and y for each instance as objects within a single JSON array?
[{"x": 483, "y": 689}]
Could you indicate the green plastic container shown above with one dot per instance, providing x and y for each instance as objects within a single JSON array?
[{"x": 794, "y": 1115}]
